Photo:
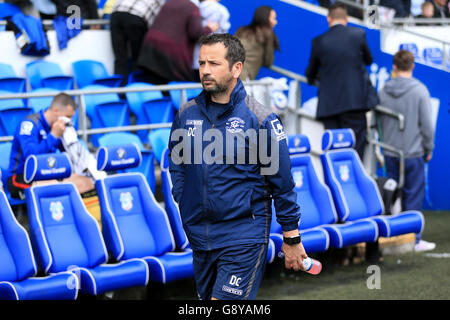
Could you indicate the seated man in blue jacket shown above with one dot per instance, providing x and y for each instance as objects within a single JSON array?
[
  {"x": 225, "y": 192},
  {"x": 41, "y": 133}
]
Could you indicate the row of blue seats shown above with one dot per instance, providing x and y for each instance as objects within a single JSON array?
[
  {"x": 136, "y": 233},
  {"x": 345, "y": 210}
]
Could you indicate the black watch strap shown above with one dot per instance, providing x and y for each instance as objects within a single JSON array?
[{"x": 292, "y": 240}]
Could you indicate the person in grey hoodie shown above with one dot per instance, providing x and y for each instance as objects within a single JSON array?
[{"x": 407, "y": 95}]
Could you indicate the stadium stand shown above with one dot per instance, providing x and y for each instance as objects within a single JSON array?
[
  {"x": 18, "y": 268},
  {"x": 134, "y": 224},
  {"x": 89, "y": 72},
  {"x": 77, "y": 243}
]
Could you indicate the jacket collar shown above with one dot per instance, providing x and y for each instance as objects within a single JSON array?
[{"x": 237, "y": 95}]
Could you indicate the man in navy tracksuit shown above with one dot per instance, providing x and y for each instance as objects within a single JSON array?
[{"x": 224, "y": 192}]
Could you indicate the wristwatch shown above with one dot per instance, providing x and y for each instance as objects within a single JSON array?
[{"x": 292, "y": 240}]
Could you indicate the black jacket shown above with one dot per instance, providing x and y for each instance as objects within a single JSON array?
[{"x": 337, "y": 61}]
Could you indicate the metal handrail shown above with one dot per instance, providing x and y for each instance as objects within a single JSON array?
[{"x": 84, "y": 131}]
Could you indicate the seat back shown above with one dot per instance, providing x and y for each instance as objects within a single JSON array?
[
  {"x": 135, "y": 99},
  {"x": 89, "y": 72},
  {"x": 9, "y": 80},
  {"x": 159, "y": 140},
  {"x": 133, "y": 223},
  {"x": 172, "y": 209},
  {"x": 17, "y": 259},
  {"x": 355, "y": 193},
  {"x": 10, "y": 119},
  {"x": 48, "y": 74},
  {"x": 313, "y": 197},
  {"x": 158, "y": 110},
  {"x": 5, "y": 151},
  {"x": 105, "y": 110},
  {"x": 63, "y": 232},
  {"x": 147, "y": 166}
]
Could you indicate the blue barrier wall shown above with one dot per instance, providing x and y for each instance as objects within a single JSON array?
[{"x": 297, "y": 27}]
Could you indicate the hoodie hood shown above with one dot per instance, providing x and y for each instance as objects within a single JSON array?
[{"x": 399, "y": 86}]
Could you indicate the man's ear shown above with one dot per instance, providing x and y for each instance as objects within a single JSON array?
[{"x": 237, "y": 69}]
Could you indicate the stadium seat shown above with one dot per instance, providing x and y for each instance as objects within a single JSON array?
[
  {"x": 12, "y": 112},
  {"x": 89, "y": 72},
  {"x": 159, "y": 140},
  {"x": 355, "y": 193},
  {"x": 149, "y": 107},
  {"x": 147, "y": 166},
  {"x": 5, "y": 152},
  {"x": 18, "y": 266},
  {"x": 66, "y": 236},
  {"x": 105, "y": 110},
  {"x": 134, "y": 224},
  {"x": 173, "y": 211},
  {"x": 46, "y": 74},
  {"x": 175, "y": 95},
  {"x": 9, "y": 80},
  {"x": 319, "y": 221}
]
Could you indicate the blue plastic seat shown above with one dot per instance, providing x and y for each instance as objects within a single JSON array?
[
  {"x": 175, "y": 95},
  {"x": 133, "y": 223},
  {"x": 149, "y": 107},
  {"x": 89, "y": 72},
  {"x": 12, "y": 112},
  {"x": 105, "y": 110},
  {"x": 9, "y": 80},
  {"x": 46, "y": 74},
  {"x": 66, "y": 236},
  {"x": 319, "y": 225},
  {"x": 147, "y": 166},
  {"x": 18, "y": 266},
  {"x": 173, "y": 211},
  {"x": 355, "y": 193},
  {"x": 159, "y": 140}
]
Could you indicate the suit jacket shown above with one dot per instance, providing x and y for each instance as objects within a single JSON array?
[{"x": 337, "y": 61}]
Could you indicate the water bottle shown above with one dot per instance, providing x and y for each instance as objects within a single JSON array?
[{"x": 312, "y": 266}]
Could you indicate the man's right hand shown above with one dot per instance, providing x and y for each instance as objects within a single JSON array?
[{"x": 58, "y": 128}]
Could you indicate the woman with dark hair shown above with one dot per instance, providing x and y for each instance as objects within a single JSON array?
[{"x": 259, "y": 41}]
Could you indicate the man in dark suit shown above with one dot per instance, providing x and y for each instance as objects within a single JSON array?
[{"x": 337, "y": 62}]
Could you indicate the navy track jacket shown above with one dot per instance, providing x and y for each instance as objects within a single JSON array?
[{"x": 226, "y": 204}]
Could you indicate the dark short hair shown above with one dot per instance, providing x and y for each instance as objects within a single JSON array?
[
  {"x": 404, "y": 60},
  {"x": 235, "y": 49},
  {"x": 337, "y": 11},
  {"x": 62, "y": 100}
]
